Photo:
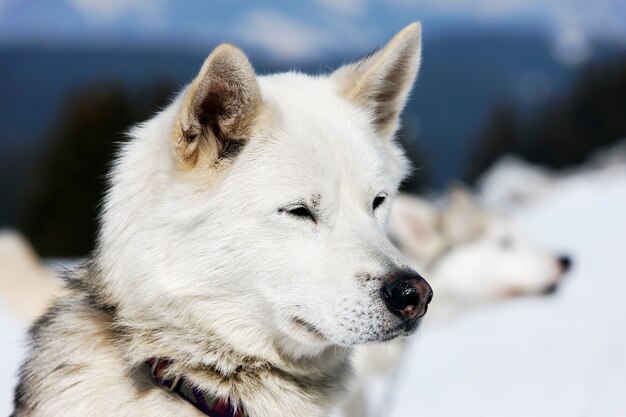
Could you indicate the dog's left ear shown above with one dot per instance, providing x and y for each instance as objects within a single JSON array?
[{"x": 381, "y": 82}]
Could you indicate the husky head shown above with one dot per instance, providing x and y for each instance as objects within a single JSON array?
[
  {"x": 255, "y": 207},
  {"x": 473, "y": 256}
]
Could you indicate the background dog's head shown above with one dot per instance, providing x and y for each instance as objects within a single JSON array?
[
  {"x": 472, "y": 255},
  {"x": 255, "y": 207}
]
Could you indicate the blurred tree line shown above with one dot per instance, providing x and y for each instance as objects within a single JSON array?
[
  {"x": 58, "y": 209},
  {"x": 565, "y": 130}
]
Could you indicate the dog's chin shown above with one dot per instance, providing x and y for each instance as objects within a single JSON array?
[
  {"x": 311, "y": 334},
  {"x": 386, "y": 337},
  {"x": 383, "y": 335},
  {"x": 405, "y": 329},
  {"x": 410, "y": 328}
]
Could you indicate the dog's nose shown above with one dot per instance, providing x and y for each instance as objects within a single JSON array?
[
  {"x": 565, "y": 263},
  {"x": 407, "y": 295}
]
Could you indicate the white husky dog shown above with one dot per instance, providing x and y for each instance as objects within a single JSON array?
[
  {"x": 473, "y": 256},
  {"x": 242, "y": 250}
]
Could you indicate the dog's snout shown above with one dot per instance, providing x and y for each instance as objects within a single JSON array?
[
  {"x": 407, "y": 295},
  {"x": 565, "y": 263}
]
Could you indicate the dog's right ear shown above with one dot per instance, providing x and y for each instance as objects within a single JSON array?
[
  {"x": 218, "y": 110},
  {"x": 381, "y": 83}
]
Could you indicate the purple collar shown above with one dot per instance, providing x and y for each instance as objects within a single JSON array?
[{"x": 206, "y": 402}]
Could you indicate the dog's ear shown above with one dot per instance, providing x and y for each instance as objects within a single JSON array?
[
  {"x": 382, "y": 82},
  {"x": 218, "y": 110},
  {"x": 463, "y": 219},
  {"x": 413, "y": 226}
]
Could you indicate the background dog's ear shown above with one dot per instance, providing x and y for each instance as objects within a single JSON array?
[
  {"x": 413, "y": 226},
  {"x": 219, "y": 108},
  {"x": 463, "y": 219},
  {"x": 381, "y": 82}
]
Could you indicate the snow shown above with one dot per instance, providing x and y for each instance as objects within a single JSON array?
[{"x": 556, "y": 356}]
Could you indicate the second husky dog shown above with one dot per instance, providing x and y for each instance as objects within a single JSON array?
[
  {"x": 242, "y": 250},
  {"x": 472, "y": 256}
]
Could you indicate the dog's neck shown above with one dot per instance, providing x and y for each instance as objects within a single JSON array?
[
  {"x": 206, "y": 402},
  {"x": 264, "y": 382}
]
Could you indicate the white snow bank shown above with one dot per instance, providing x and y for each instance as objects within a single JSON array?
[{"x": 513, "y": 182}]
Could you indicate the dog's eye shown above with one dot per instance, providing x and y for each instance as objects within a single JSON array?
[
  {"x": 378, "y": 200},
  {"x": 302, "y": 212}
]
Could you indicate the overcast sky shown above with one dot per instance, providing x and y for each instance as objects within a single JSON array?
[{"x": 302, "y": 29}]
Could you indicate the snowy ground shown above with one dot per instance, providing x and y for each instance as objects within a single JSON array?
[{"x": 558, "y": 356}]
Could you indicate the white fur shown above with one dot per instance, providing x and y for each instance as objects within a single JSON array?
[{"x": 227, "y": 251}]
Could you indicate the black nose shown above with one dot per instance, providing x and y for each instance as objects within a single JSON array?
[
  {"x": 565, "y": 262},
  {"x": 407, "y": 295}
]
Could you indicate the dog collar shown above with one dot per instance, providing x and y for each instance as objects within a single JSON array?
[{"x": 209, "y": 404}]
